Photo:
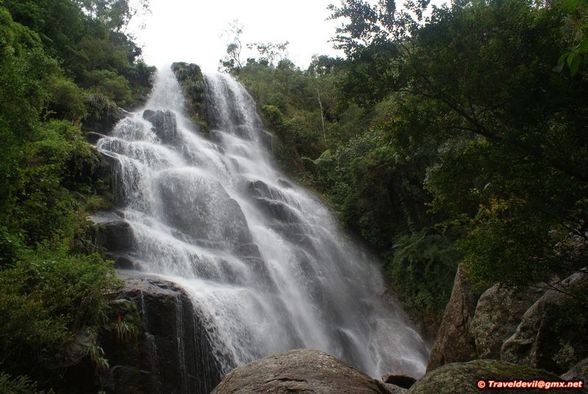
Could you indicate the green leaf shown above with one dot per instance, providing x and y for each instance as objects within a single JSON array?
[{"x": 575, "y": 65}]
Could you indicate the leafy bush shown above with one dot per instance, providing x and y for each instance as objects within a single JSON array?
[
  {"x": 17, "y": 385},
  {"x": 49, "y": 297},
  {"x": 422, "y": 267},
  {"x": 110, "y": 84},
  {"x": 66, "y": 101}
]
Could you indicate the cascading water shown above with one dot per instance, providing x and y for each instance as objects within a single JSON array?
[{"x": 264, "y": 261}]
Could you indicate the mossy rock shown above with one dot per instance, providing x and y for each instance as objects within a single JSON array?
[
  {"x": 191, "y": 81},
  {"x": 463, "y": 377}
]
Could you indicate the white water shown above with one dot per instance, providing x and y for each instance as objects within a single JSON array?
[{"x": 264, "y": 260}]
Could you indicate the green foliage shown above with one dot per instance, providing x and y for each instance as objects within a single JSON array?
[
  {"x": 48, "y": 297},
  {"x": 124, "y": 320},
  {"x": 576, "y": 29},
  {"x": 17, "y": 385},
  {"x": 291, "y": 102},
  {"x": 191, "y": 81},
  {"x": 474, "y": 98},
  {"x": 110, "y": 84},
  {"x": 58, "y": 66},
  {"x": 426, "y": 261},
  {"x": 67, "y": 100}
]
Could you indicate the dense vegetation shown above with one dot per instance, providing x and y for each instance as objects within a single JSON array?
[
  {"x": 445, "y": 135},
  {"x": 63, "y": 64}
]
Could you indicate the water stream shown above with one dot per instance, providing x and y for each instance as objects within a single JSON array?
[{"x": 264, "y": 261}]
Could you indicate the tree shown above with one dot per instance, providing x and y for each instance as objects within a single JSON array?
[
  {"x": 114, "y": 14},
  {"x": 232, "y": 59},
  {"x": 270, "y": 52}
]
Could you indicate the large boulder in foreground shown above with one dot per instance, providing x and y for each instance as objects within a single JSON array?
[
  {"x": 463, "y": 377},
  {"x": 298, "y": 371}
]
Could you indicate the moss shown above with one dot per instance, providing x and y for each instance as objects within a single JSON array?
[{"x": 191, "y": 81}]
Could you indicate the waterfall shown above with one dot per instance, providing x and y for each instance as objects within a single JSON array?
[{"x": 265, "y": 263}]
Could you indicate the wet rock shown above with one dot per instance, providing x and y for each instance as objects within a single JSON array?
[
  {"x": 284, "y": 183},
  {"x": 172, "y": 353},
  {"x": 206, "y": 213},
  {"x": 298, "y": 371},
  {"x": 243, "y": 131},
  {"x": 247, "y": 250},
  {"x": 277, "y": 210},
  {"x": 260, "y": 189},
  {"x": 112, "y": 233},
  {"x": 462, "y": 377},
  {"x": 454, "y": 340},
  {"x": 164, "y": 125},
  {"x": 93, "y": 137},
  {"x": 125, "y": 263},
  {"x": 266, "y": 138}
]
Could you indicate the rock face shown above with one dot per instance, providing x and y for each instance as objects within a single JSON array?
[
  {"x": 164, "y": 124},
  {"x": 532, "y": 326},
  {"x": 112, "y": 233},
  {"x": 113, "y": 236},
  {"x": 172, "y": 353},
  {"x": 552, "y": 332},
  {"x": 298, "y": 371},
  {"x": 454, "y": 340},
  {"x": 462, "y": 377},
  {"x": 498, "y": 313}
]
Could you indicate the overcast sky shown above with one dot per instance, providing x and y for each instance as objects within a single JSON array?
[{"x": 192, "y": 30}]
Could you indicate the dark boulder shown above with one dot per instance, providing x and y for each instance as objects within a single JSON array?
[
  {"x": 112, "y": 232},
  {"x": 298, "y": 371},
  {"x": 399, "y": 380},
  {"x": 93, "y": 137},
  {"x": 172, "y": 353}
]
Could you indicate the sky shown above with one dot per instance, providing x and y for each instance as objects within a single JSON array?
[{"x": 192, "y": 30}]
